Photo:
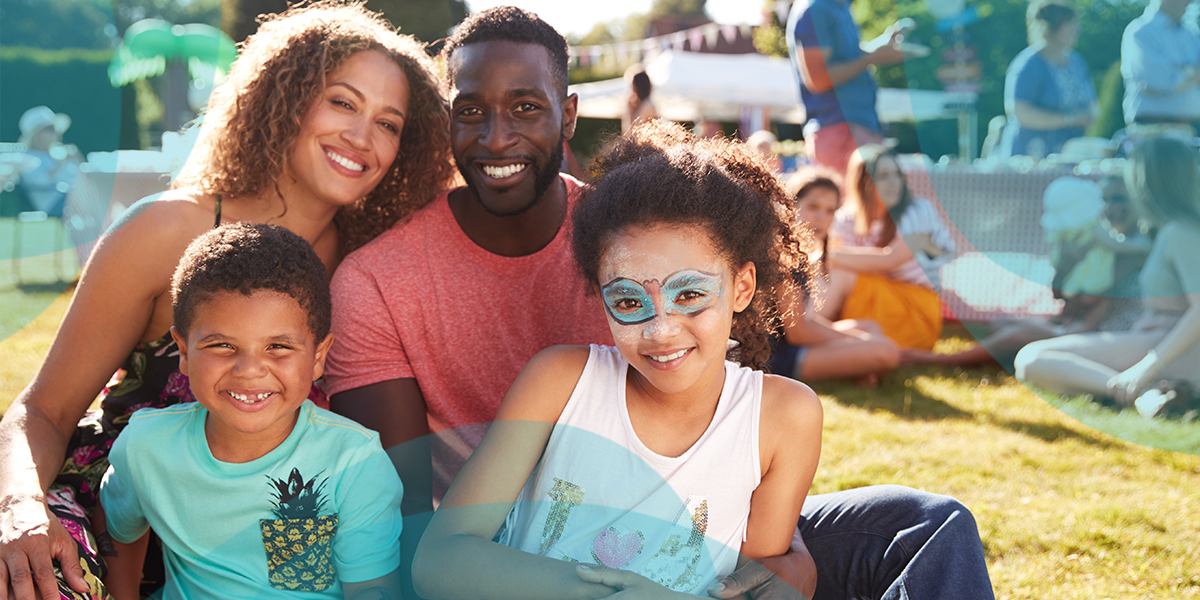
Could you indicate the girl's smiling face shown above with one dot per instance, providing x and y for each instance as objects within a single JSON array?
[{"x": 670, "y": 298}]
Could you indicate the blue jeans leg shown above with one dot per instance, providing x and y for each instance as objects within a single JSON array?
[{"x": 890, "y": 542}]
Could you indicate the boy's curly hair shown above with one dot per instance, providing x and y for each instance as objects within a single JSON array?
[
  {"x": 659, "y": 174},
  {"x": 511, "y": 24},
  {"x": 245, "y": 258},
  {"x": 253, "y": 119}
]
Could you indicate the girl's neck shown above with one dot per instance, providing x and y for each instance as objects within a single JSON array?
[{"x": 670, "y": 424}]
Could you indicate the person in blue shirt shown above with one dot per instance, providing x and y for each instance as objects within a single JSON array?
[
  {"x": 1048, "y": 91},
  {"x": 253, "y": 490},
  {"x": 1160, "y": 61},
  {"x": 838, "y": 93}
]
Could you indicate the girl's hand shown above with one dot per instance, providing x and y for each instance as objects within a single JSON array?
[
  {"x": 629, "y": 585},
  {"x": 29, "y": 538}
]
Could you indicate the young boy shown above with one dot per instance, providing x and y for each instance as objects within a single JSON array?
[{"x": 253, "y": 490}]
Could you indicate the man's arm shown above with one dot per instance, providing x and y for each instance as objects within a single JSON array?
[
  {"x": 1144, "y": 65},
  {"x": 396, "y": 409}
]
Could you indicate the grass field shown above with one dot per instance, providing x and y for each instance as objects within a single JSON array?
[{"x": 1065, "y": 512}]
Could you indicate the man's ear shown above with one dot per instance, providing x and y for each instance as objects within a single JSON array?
[
  {"x": 322, "y": 353},
  {"x": 745, "y": 282},
  {"x": 570, "y": 110},
  {"x": 183, "y": 350}
]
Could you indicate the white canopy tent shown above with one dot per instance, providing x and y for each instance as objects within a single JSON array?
[{"x": 691, "y": 86}]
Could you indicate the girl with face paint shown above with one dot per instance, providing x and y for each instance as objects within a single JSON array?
[{"x": 663, "y": 464}]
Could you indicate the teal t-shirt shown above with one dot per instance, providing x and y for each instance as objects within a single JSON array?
[{"x": 322, "y": 508}]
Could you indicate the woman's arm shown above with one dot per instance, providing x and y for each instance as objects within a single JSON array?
[
  {"x": 113, "y": 305},
  {"x": 1040, "y": 119},
  {"x": 1181, "y": 248},
  {"x": 869, "y": 259},
  {"x": 457, "y": 557}
]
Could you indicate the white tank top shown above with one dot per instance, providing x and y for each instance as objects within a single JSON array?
[{"x": 599, "y": 495}]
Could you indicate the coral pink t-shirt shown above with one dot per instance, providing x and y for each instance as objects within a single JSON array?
[{"x": 424, "y": 301}]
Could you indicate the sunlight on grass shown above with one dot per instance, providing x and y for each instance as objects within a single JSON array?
[{"x": 1064, "y": 511}]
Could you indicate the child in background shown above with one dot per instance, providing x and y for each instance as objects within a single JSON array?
[
  {"x": 813, "y": 347},
  {"x": 253, "y": 490},
  {"x": 653, "y": 464}
]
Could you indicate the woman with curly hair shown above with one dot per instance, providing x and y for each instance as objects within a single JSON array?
[{"x": 331, "y": 125}]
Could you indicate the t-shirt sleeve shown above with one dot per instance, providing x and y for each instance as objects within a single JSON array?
[
  {"x": 366, "y": 345},
  {"x": 1027, "y": 80},
  {"x": 367, "y": 544},
  {"x": 125, "y": 517},
  {"x": 812, "y": 20}
]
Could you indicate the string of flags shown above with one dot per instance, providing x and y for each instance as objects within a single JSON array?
[{"x": 624, "y": 53}]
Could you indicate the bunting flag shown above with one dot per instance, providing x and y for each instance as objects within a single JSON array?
[{"x": 693, "y": 39}]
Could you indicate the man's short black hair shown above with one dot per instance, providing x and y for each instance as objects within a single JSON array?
[
  {"x": 511, "y": 24},
  {"x": 245, "y": 258}
]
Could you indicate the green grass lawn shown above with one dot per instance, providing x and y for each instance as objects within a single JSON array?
[{"x": 1065, "y": 512}]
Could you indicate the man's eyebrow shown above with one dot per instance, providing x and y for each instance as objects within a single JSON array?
[
  {"x": 517, "y": 92},
  {"x": 363, "y": 98}
]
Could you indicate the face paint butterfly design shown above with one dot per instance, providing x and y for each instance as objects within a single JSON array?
[{"x": 688, "y": 292}]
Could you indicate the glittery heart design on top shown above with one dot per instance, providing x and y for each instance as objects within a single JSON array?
[{"x": 615, "y": 548}]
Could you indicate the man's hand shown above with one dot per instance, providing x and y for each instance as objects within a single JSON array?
[
  {"x": 629, "y": 585},
  {"x": 759, "y": 581},
  {"x": 30, "y": 537},
  {"x": 755, "y": 581}
]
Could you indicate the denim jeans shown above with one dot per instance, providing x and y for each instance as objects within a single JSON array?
[{"x": 891, "y": 542}]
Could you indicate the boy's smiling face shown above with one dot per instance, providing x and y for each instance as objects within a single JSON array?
[{"x": 251, "y": 361}]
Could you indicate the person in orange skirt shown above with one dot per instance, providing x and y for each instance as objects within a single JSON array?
[{"x": 882, "y": 243}]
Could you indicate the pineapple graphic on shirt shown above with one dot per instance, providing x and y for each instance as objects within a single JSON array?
[{"x": 298, "y": 542}]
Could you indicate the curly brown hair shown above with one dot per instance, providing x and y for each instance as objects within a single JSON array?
[
  {"x": 245, "y": 258},
  {"x": 253, "y": 119},
  {"x": 658, "y": 173}
]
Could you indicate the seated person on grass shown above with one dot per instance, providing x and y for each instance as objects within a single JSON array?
[{"x": 231, "y": 482}]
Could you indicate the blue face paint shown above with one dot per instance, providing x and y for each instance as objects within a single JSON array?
[{"x": 689, "y": 293}]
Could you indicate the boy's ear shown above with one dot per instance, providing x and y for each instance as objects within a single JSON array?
[
  {"x": 744, "y": 283},
  {"x": 319, "y": 359},
  {"x": 183, "y": 350}
]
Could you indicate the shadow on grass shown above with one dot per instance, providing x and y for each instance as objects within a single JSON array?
[{"x": 898, "y": 395}]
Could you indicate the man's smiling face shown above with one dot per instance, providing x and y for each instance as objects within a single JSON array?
[{"x": 509, "y": 118}]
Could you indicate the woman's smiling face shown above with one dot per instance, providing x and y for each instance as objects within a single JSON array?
[
  {"x": 670, "y": 298},
  {"x": 351, "y": 134}
]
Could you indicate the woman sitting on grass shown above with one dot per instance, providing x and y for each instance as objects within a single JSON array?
[
  {"x": 813, "y": 347},
  {"x": 882, "y": 243},
  {"x": 330, "y": 125},
  {"x": 658, "y": 466},
  {"x": 1163, "y": 177},
  {"x": 1099, "y": 295}
]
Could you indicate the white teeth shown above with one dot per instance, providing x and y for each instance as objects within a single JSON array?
[
  {"x": 245, "y": 398},
  {"x": 669, "y": 357},
  {"x": 345, "y": 162},
  {"x": 502, "y": 172}
]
